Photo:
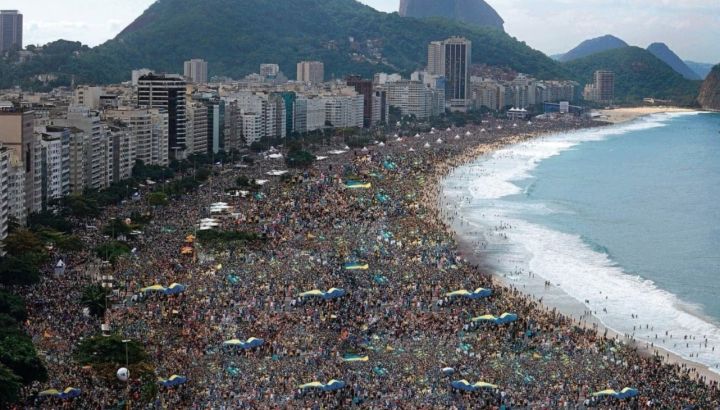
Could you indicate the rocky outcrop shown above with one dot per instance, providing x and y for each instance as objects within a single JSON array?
[
  {"x": 475, "y": 12},
  {"x": 709, "y": 97}
]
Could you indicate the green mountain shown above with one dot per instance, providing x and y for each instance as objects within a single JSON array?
[
  {"x": 236, "y": 36},
  {"x": 592, "y": 46},
  {"x": 664, "y": 53},
  {"x": 638, "y": 74}
]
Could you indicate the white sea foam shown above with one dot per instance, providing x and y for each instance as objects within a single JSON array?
[{"x": 587, "y": 275}]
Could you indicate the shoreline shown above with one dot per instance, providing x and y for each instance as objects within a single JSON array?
[
  {"x": 560, "y": 301},
  {"x": 622, "y": 115}
]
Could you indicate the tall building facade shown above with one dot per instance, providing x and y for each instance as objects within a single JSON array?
[
  {"x": 11, "y": 30},
  {"x": 312, "y": 72},
  {"x": 436, "y": 58},
  {"x": 364, "y": 88},
  {"x": 4, "y": 195},
  {"x": 167, "y": 92},
  {"x": 17, "y": 134},
  {"x": 602, "y": 89},
  {"x": 196, "y": 70},
  {"x": 458, "y": 58},
  {"x": 605, "y": 85},
  {"x": 148, "y": 127}
]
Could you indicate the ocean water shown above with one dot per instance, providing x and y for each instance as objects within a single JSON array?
[{"x": 623, "y": 219}]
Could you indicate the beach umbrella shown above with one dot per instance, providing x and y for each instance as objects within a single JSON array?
[
  {"x": 355, "y": 358},
  {"x": 417, "y": 135},
  {"x": 457, "y": 137},
  {"x": 448, "y": 370},
  {"x": 439, "y": 141},
  {"x": 468, "y": 133},
  {"x": 427, "y": 145},
  {"x": 173, "y": 381}
]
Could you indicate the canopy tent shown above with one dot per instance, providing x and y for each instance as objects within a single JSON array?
[
  {"x": 173, "y": 381},
  {"x": 466, "y": 386},
  {"x": 355, "y": 358},
  {"x": 476, "y": 294},
  {"x": 332, "y": 293},
  {"x": 248, "y": 344},
  {"x": 332, "y": 385},
  {"x": 186, "y": 250},
  {"x": 276, "y": 173}
]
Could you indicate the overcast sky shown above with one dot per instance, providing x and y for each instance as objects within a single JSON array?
[{"x": 690, "y": 27}]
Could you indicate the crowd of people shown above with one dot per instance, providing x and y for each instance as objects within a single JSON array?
[{"x": 394, "y": 338}]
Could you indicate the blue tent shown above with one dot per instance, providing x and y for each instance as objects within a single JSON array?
[
  {"x": 466, "y": 386},
  {"x": 476, "y": 294}
]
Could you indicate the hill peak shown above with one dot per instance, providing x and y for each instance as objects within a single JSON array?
[
  {"x": 664, "y": 53},
  {"x": 594, "y": 45}
]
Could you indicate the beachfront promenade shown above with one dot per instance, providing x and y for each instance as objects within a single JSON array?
[{"x": 364, "y": 221}]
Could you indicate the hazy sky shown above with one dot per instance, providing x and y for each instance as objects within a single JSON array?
[{"x": 690, "y": 27}]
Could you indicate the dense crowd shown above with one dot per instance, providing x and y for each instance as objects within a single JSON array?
[{"x": 395, "y": 313}]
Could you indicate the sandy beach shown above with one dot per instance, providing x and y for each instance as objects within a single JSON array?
[
  {"x": 551, "y": 298},
  {"x": 620, "y": 115}
]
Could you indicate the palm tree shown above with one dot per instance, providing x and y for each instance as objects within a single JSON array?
[{"x": 94, "y": 297}]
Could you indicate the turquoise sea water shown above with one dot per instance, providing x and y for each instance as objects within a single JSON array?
[{"x": 624, "y": 219}]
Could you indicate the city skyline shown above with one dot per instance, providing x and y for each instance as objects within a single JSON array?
[{"x": 687, "y": 27}]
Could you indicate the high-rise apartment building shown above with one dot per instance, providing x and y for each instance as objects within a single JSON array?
[
  {"x": 605, "y": 85},
  {"x": 436, "y": 58},
  {"x": 167, "y": 92},
  {"x": 17, "y": 134},
  {"x": 149, "y": 132},
  {"x": 269, "y": 70},
  {"x": 197, "y": 126},
  {"x": 55, "y": 169},
  {"x": 196, "y": 70},
  {"x": 451, "y": 59},
  {"x": 11, "y": 30},
  {"x": 364, "y": 88},
  {"x": 312, "y": 72},
  {"x": 4, "y": 195}
]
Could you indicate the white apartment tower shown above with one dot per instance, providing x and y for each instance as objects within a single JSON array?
[
  {"x": 312, "y": 72},
  {"x": 196, "y": 70}
]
